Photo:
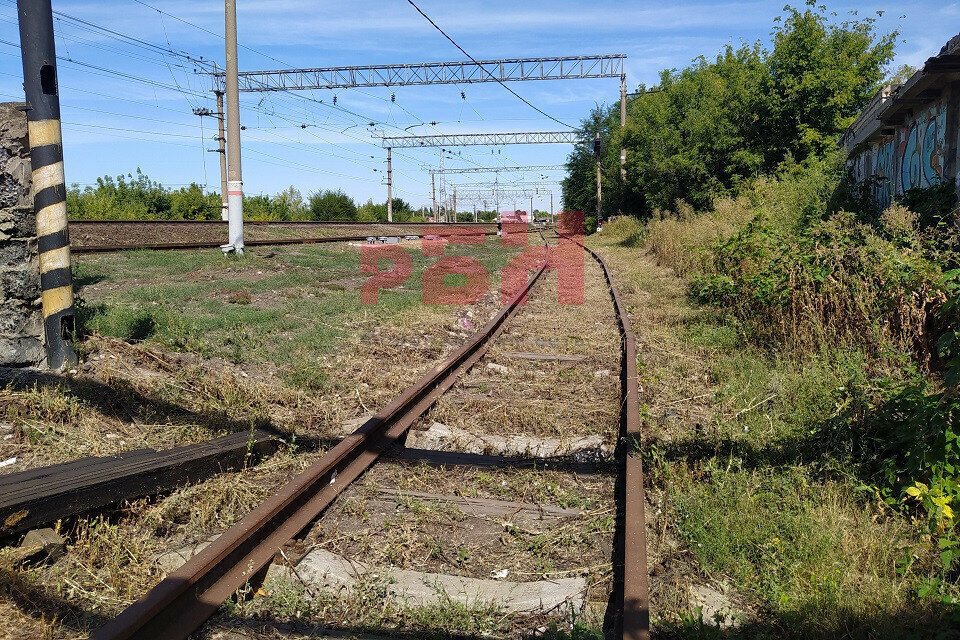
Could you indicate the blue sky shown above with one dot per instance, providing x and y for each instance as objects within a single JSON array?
[{"x": 114, "y": 124}]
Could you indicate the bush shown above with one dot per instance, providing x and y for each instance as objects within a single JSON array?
[
  {"x": 798, "y": 278},
  {"x": 332, "y": 205},
  {"x": 837, "y": 281},
  {"x": 685, "y": 242},
  {"x": 933, "y": 205}
]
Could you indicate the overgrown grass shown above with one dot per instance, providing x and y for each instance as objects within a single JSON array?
[
  {"x": 289, "y": 310},
  {"x": 754, "y": 434}
]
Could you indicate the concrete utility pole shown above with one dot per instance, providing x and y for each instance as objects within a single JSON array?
[
  {"x": 531, "y": 207},
  {"x": 235, "y": 175},
  {"x": 623, "y": 123},
  {"x": 454, "y": 205},
  {"x": 48, "y": 187},
  {"x": 389, "y": 186},
  {"x": 222, "y": 139},
  {"x": 551, "y": 206},
  {"x": 475, "y": 213},
  {"x": 597, "y": 150},
  {"x": 433, "y": 191}
]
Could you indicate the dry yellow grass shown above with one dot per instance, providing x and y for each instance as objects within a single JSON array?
[{"x": 683, "y": 241}]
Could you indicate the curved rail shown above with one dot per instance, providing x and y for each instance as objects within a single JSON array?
[{"x": 635, "y": 615}]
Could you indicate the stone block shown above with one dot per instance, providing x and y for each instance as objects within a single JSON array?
[
  {"x": 14, "y": 253},
  {"x": 21, "y": 327},
  {"x": 21, "y": 352},
  {"x": 39, "y": 545}
]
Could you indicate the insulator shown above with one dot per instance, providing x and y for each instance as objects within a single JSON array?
[
  {"x": 393, "y": 97},
  {"x": 334, "y": 99}
]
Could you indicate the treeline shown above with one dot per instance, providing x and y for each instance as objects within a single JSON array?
[
  {"x": 137, "y": 197},
  {"x": 733, "y": 165},
  {"x": 708, "y": 130}
]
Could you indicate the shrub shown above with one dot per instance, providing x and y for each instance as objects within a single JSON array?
[
  {"x": 686, "y": 242},
  {"x": 837, "y": 281}
]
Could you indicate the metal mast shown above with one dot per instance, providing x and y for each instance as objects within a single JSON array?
[
  {"x": 48, "y": 187},
  {"x": 234, "y": 173}
]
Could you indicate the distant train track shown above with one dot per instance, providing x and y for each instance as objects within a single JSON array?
[
  {"x": 103, "y": 236},
  {"x": 276, "y": 223}
]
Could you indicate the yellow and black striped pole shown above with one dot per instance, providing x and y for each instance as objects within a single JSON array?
[{"x": 48, "y": 187}]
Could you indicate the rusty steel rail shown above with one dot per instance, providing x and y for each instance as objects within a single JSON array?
[
  {"x": 163, "y": 246},
  {"x": 635, "y": 615},
  {"x": 183, "y": 601},
  {"x": 170, "y": 246},
  {"x": 279, "y": 223}
]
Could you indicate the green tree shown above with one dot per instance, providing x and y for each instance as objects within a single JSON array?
[
  {"x": 375, "y": 212},
  {"x": 191, "y": 203},
  {"x": 709, "y": 129},
  {"x": 580, "y": 185},
  {"x": 332, "y": 205},
  {"x": 290, "y": 201},
  {"x": 821, "y": 75},
  {"x": 263, "y": 207}
]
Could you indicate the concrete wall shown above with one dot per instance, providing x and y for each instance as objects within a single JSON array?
[
  {"x": 21, "y": 324},
  {"x": 920, "y": 152}
]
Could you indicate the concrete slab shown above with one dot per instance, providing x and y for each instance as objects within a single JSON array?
[
  {"x": 176, "y": 558},
  {"x": 39, "y": 545},
  {"x": 441, "y": 437},
  {"x": 514, "y": 597},
  {"x": 326, "y": 570},
  {"x": 481, "y": 507},
  {"x": 543, "y": 357},
  {"x": 715, "y": 606}
]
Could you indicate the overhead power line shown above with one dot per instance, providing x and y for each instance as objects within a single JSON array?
[
  {"x": 501, "y": 82},
  {"x": 120, "y": 74}
]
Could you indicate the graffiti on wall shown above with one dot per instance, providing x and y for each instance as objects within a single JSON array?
[
  {"x": 921, "y": 149},
  {"x": 884, "y": 168},
  {"x": 913, "y": 157}
]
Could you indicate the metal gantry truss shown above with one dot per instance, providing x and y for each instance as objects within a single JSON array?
[
  {"x": 542, "y": 167},
  {"x": 474, "y": 139},
  {"x": 507, "y": 185},
  {"x": 494, "y": 196},
  {"x": 422, "y": 73},
  {"x": 428, "y": 73}
]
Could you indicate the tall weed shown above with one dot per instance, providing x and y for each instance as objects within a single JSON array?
[
  {"x": 685, "y": 241},
  {"x": 838, "y": 281}
]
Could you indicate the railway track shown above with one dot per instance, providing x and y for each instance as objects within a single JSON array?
[
  {"x": 190, "y": 595},
  {"x": 104, "y": 236}
]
